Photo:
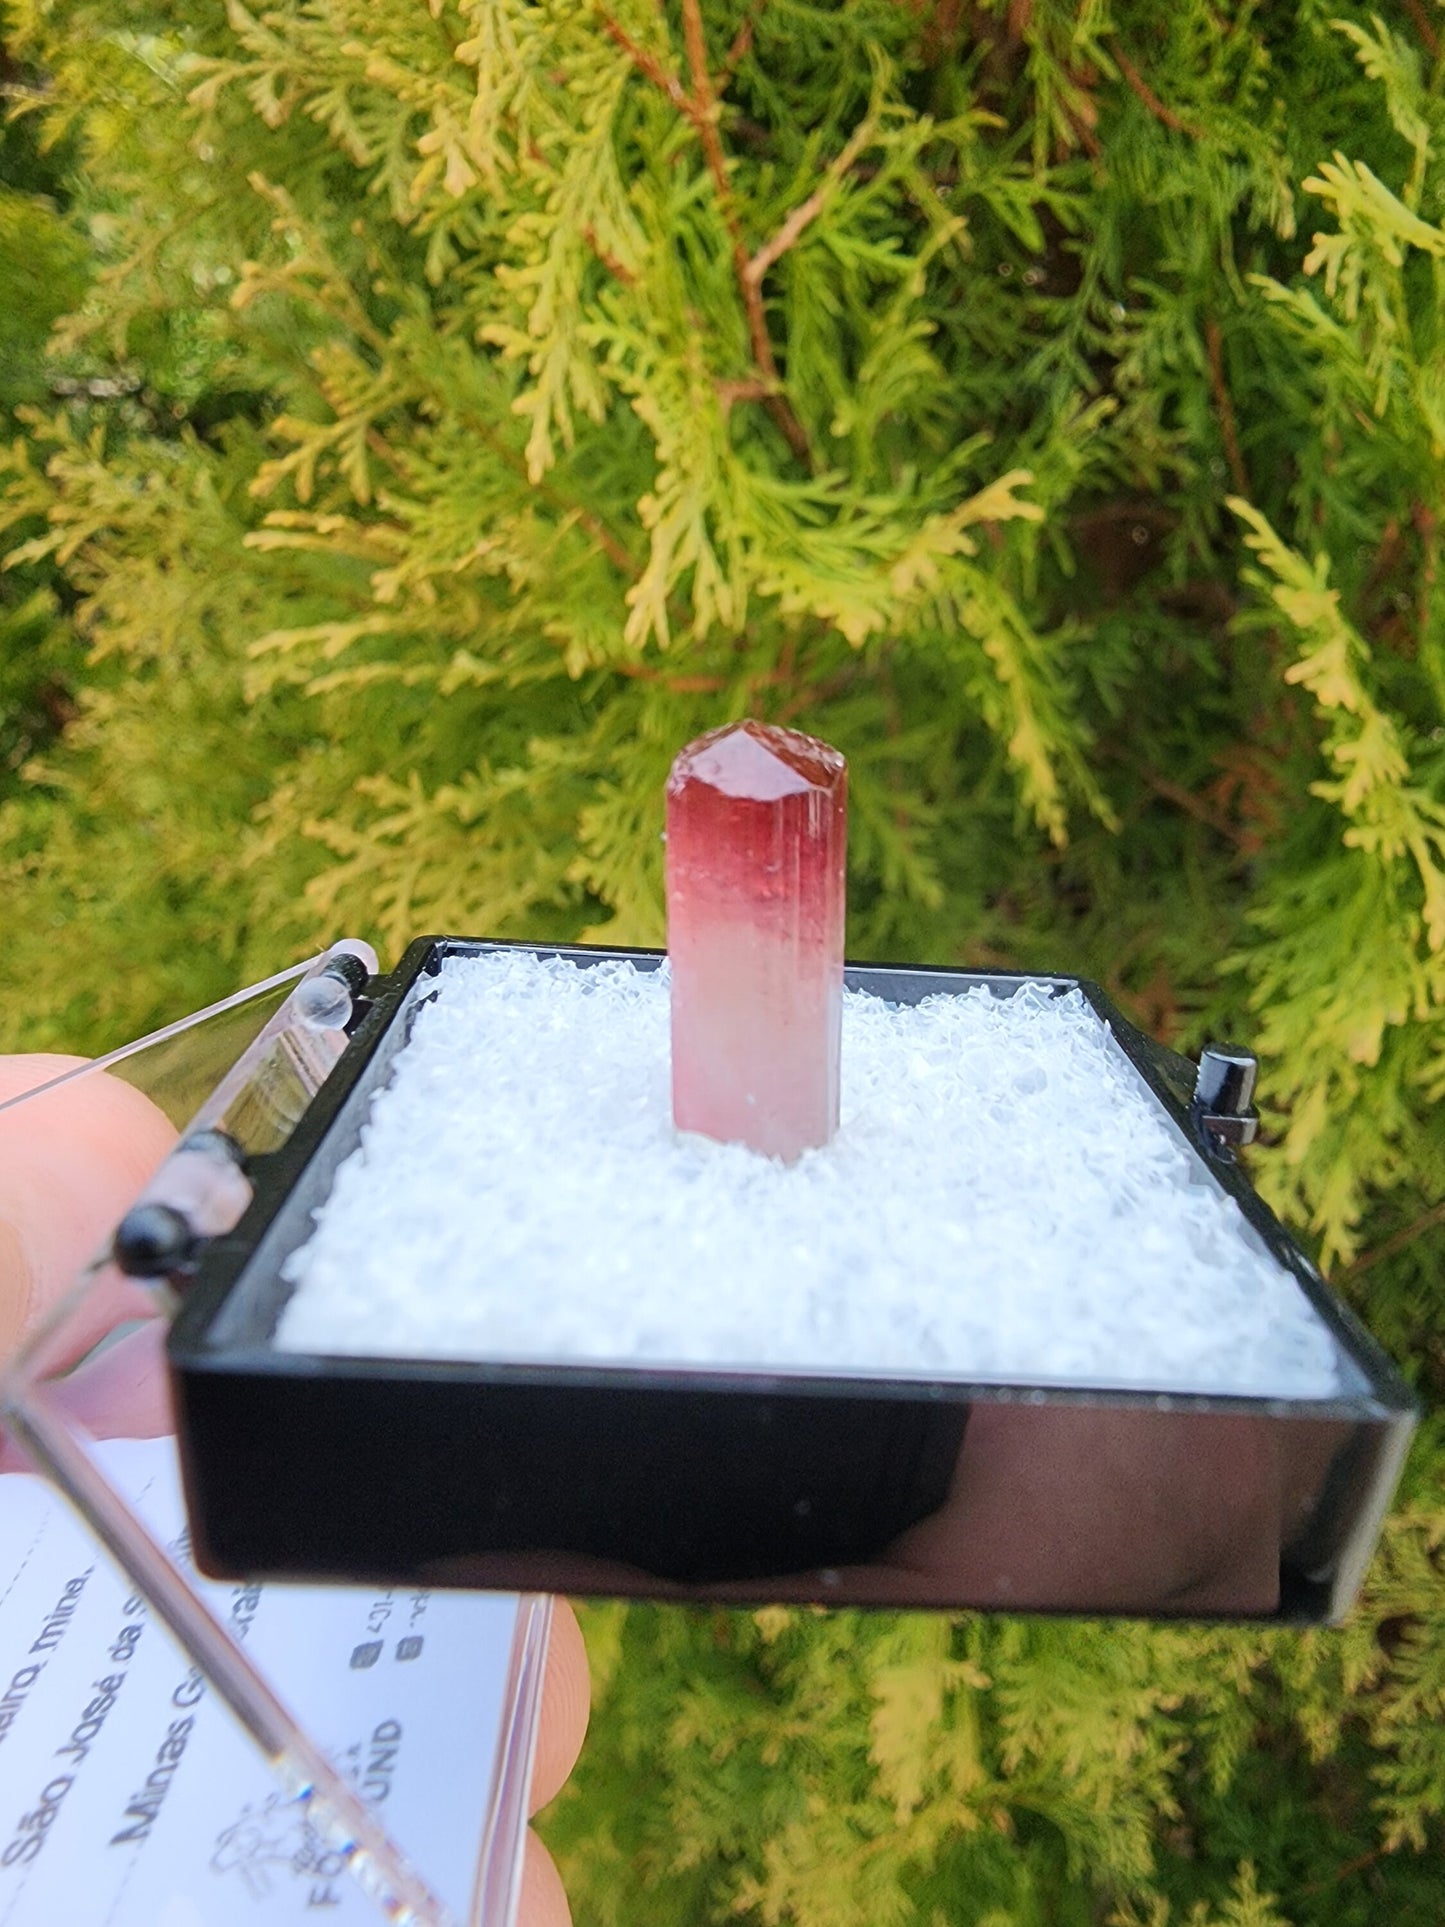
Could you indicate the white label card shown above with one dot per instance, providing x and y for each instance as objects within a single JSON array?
[{"x": 129, "y": 1796}]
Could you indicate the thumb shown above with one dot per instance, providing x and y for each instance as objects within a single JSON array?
[{"x": 72, "y": 1160}]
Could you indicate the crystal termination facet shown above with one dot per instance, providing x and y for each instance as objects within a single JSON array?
[{"x": 756, "y": 833}]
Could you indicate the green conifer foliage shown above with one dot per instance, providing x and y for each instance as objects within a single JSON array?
[
  {"x": 461, "y": 406},
  {"x": 42, "y": 273}
]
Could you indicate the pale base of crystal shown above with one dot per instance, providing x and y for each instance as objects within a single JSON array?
[
  {"x": 777, "y": 1090},
  {"x": 1004, "y": 1201}
]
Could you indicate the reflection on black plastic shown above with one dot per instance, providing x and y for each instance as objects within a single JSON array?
[{"x": 838, "y": 1499}]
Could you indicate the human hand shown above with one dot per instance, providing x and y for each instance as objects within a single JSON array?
[{"x": 71, "y": 1163}]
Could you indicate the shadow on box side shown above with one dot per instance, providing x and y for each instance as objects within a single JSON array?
[{"x": 754, "y": 1487}]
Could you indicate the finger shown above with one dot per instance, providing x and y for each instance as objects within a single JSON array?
[
  {"x": 544, "y": 1901},
  {"x": 71, "y": 1161},
  {"x": 124, "y": 1393},
  {"x": 566, "y": 1698}
]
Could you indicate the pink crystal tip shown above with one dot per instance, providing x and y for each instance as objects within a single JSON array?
[{"x": 759, "y": 762}]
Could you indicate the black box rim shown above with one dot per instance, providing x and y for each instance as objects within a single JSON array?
[{"x": 193, "y": 1348}]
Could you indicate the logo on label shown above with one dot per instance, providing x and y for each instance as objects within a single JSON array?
[{"x": 274, "y": 1844}]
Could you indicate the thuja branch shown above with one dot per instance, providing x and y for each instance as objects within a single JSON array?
[
  {"x": 1228, "y": 426},
  {"x": 700, "y": 108},
  {"x": 1164, "y": 115},
  {"x": 617, "y": 269},
  {"x": 808, "y": 211},
  {"x": 704, "y": 112},
  {"x": 742, "y": 42},
  {"x": 649, "y": 65},
  {"x": 1423, "y": 27},
  {"x": 1425, "y": 1222},
  {"x": 705, "y": 118},
  {"x": 692, "y": 685},
  {"x": 611, "y": 544},
  {"x": 1427, "y": 527},
  {"x": 1195, "y": 806}
]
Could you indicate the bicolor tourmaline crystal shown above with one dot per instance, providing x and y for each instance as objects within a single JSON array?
[{"x": 756, "y": 828}]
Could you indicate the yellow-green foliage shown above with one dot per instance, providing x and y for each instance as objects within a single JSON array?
[{"x": 460, "y": 406}]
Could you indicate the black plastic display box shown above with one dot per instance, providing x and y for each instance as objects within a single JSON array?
[{"x": 726, "y": 1485}]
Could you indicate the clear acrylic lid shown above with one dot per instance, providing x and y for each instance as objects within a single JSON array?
[{"x": 101, "y": 1817}]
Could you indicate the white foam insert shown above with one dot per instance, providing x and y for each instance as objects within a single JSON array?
[{"x": 1004, "y": 1200}]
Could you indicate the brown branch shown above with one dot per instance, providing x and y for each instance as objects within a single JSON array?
[
  {"x": 611, "y": 545},
  {"x": 788, "y": 656},
  {"x": 700, "y": 109},
  {"x": 648, "y": 64},
  {"x": 773, "y": 250},
  {"x": 813, "y": 697},
  {"x": 1386, "y": 557},
  {"x": 704, "y": 115},
  {"x": 731, "y": 392},
  {"x": 1357, "y": 1865},
  {"x": 808, "y": 211},
  {"x": 1084, "y": 134},
  {"x": 679, "y": 685},
  {"x": 1228, "y": 427},
  {"x": 684, "y": 685},
  {"x": 384, "y": 452},
  {"x": 893, "y": 729},
  {"x": 1423, "y": 27},
  {"x": 619, "y": 270},
  {"x": 703, "y": 109},
  {"x": 617, "y": 554},
  {"x": 1369, "y": 1259},
  {"x": 1192, "y": 805},
  {"x": 61, "y": 708},
  {"x": 742, "y": 43},
  {"x": 942, "y": 22},
  {"x": 1427, "y": 527},
  {"x": 1165, "y": 115}
]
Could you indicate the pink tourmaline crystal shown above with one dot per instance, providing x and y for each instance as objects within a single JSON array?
[{"x": 757, "y": 820}]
